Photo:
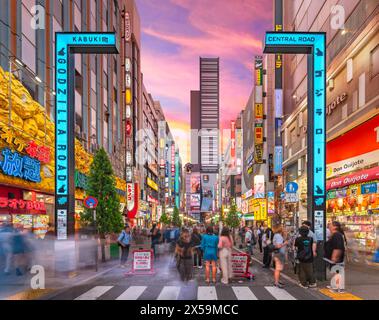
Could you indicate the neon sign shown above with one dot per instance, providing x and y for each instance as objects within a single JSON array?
[
  {"x": 68, "y": 44},
  {"x": 19, "y": 166},
  {"x": 314, "y": 45}
]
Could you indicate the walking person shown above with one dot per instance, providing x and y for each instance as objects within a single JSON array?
[
  {"x": 279, "y": 254},
  {"x": 196, "y": 242},
  {"x": 260, "y": 232},
  {"x": 250, "y": 240},
  {"x": 209, "y": 245},
  {"x": 267, "y": 238},
  {"x": 225, "y": 245},
  {"x": 124, "y": 241},
  {"x": 184, "y": 255},
  {"x": 155, "y": 234},
  {"x": 335, "y": 246},
  {"x": 304, "y": 254}
]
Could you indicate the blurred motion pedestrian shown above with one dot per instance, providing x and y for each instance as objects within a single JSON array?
[
  {"x": 124, "y": 241},
  {"x": 155, "y": 235},
  {"x": 209, "y": 245},
  {"x": 196, "y": 242},
  {"x": 267, "y": 238},
  {"x": 184, "y": 255},
  {"x": 21, "y": 251},
  {"x": 260, "y": 232},
  {"x": 6, "y": 247},
  {"x": 225, "y": 246}
]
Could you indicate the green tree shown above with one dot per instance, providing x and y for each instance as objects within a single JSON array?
[
  {"x": 102, "y": 185},
  {"x": 165, "y": 218},
  {"x": 176, "y": 221},
  {"x": 232, "y": 220}
]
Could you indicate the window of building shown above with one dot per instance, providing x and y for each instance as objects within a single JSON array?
[{"x": 374, "y": 62}]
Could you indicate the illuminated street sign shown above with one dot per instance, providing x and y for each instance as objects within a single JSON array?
[
  {"x": 68, "y": 44},
  {"x": 314, "y": 45}
]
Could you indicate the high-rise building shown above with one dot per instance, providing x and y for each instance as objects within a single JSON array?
[{"x": 209, "y": 114}]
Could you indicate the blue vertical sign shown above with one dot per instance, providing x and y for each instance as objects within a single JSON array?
[
  {"x": 314, "y": 45},
  {"x": 68, "y": 44}
]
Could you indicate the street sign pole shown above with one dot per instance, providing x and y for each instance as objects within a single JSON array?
[{"x": 314, "y": 45}]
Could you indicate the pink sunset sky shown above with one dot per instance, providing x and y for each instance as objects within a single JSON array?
[{"x": 175, "y": 33}]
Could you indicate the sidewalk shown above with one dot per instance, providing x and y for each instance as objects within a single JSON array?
[{"x": 360, "y": 282}]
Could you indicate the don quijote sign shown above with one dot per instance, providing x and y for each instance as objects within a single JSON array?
[{"x": 340, "y": 99}]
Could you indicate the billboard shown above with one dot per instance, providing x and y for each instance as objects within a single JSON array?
[
  {"x": 259, "y": 186},
  {"x": 195, "y": 201},
  {"x": 195, "y": 183}
]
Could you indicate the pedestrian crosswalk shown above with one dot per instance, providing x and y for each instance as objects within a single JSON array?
[{"x": 218, "y": 292}]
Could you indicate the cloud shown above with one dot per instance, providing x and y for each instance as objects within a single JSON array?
[{"x": 176, "y": 32}]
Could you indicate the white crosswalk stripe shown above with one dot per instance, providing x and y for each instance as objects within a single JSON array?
[
  {"x": 203, "y": 293},
  {"x": 244, "y": 293},
  {"x": 206, "y": 293},
  {"x": 94, "y": 293},
  {"x": 132, "y": 293},
  {"x": 279, "y": 294},
  {"x": 169, "y": 293}
]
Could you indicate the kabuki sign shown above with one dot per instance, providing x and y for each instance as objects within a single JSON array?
[
  {"x": 67, "y": 45},
  {"x": 314, "y": 45}
]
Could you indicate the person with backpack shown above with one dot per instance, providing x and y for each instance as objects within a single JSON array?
[
  {"x": 267, "y": 246},
  {"x": 124, "y": 241},
  {"x": 305, "y": 256}
]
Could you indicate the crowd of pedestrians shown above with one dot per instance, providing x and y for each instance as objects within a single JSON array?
[{"x": 211, "y": 249}]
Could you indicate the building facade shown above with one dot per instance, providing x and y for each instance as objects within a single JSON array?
[{"x": 352, "y": 116}]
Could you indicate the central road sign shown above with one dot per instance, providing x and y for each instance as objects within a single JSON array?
[
  {"x": 90, "y": 202},
  {"x": 314, "y": 45}
]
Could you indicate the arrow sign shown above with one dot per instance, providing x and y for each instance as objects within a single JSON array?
[{"x": 91, "y": 202}]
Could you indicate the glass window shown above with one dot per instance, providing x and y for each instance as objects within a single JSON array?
[
  {"x": 28, "y": 54},
  {"x": 27, "y": 31},
  {"x": 374, "y": 64}
]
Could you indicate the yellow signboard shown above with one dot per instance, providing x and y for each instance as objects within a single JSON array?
[
  {"x": 152, "y": 184},
  {"x": 259, "y": 111}
]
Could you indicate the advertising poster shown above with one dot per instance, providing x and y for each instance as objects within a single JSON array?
[
  {"x": 239, "y": 263},
  {"x": 195, "y": 201},
  {"x": 259, "y": 186},
  {"x": 195, "y": 182},
  {"x": 319, "y": 225}
]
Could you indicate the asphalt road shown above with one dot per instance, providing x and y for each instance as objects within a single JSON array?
[{"x": 165, "y": 284}]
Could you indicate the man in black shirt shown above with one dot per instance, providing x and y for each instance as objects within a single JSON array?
[{"x": 335, "y": 246}]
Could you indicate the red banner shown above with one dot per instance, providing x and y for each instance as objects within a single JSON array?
[
  {"x": 360, "y": 140},
  {"x": 359, "y": 177}
]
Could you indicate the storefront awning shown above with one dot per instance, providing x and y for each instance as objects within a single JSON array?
[{"x": 358, "y": 177}]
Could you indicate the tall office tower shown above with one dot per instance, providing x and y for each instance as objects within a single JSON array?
[
  {"x": 195, "y": 128},
  {"x": 209, "y": 114}
]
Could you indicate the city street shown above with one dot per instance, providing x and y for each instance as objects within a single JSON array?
[
  {"x": 236, "y": 131},
  {"x": 165, "y": 284}
]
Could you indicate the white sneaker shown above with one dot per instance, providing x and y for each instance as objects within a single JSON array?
[{"x": 200, "y": 267}]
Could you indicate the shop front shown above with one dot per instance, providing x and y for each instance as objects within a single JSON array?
[
  {"x": 353, "y": 188},
  {"x": 28, "y": 210},
  {"x": 256, "y": 212}
]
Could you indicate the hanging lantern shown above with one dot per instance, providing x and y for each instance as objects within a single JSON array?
[
  {"x": 360, "y": 199},
  {"x": 333, "y": 204},
  {"x": 372, "y": 198}
]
